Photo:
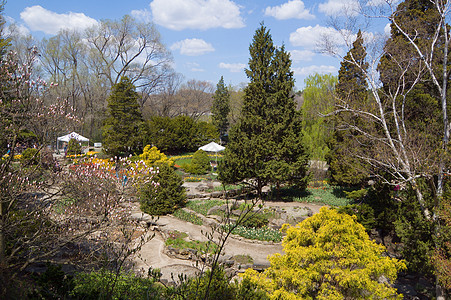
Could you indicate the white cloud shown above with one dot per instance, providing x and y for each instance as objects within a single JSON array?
[
  {"x": 310, "y": 37},
  {"x": 315, "y": 69},
  {"x": 387, "y": 29},
  {"x": 196, "y": 14},
  {"x": 142, "y": 15},
  {"x": 194, "y": 67},
  {"x": 192, "y": 47},
  {"x": 234, "y": 68},
  {"x": 339, "y": 7},
  {"x": 13, "y": 28},
  {"x": 293, "y": 9},
  {"x": 302, "y": 55},
  {"x": 38, "y": 18}
]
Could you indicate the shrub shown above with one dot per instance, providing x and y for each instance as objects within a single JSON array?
[
  {"x": 364, "y": 213},
  {"x": 200, "y": 163},
  {"x": 109, "y": 285},
  {"x": 356, "y": 195},
  {"x": 219, "y": 287},
  {"x": 328, "y": 256},
  {"x": 254, "y": 220},
  {"x": 74, "y": 147},
  {"x": 30, "y": 156},
  {"x": 151, "y": 156},
  {"x": 167, "y": 197}
]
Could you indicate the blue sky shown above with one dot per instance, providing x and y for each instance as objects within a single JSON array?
[{"x": 208, "y": 38}]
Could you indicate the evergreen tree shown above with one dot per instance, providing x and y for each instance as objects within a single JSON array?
[
  {"x": 422, "y": 110},
  {"x": 266, "y": 144},
  {"x": 122, "y": 129},
  {"x": 344, "y": 167},
  {"x": 221, "y": 108}
]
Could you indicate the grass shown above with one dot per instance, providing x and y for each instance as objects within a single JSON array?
[
  {"x": 317, "y": 192},
  {"x": 203, "y": 206},
  {"x": 243, "y": 259},
  {"x": 188, "y": 217},
  {"x": 177, "y": 240}
]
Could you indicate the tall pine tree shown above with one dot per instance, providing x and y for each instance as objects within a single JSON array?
[
  {"x": 221, "y": 108},
  {"x": 351, "y": 90},
  {"x": 122, "y": 132},
  {"x": 266, "y": 144}
]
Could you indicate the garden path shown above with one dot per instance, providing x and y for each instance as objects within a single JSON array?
[{"x": 152, "y": 254}]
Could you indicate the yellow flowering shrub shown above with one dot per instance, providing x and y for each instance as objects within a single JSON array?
[
  {"x": 152, "y": 156},
  {"x": 328, "y": 256}
]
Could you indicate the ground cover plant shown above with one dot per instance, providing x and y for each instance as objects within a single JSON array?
[
  {"x": 261, "y": 234},
  {"x": 177, "y": 239},
  {"x": 317, "y": 192},
  {"x": 203, "y": 206},
  {"x": 187, "y": 216}
]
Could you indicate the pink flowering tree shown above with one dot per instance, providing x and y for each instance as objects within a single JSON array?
[{"x": 79, "y": 215}]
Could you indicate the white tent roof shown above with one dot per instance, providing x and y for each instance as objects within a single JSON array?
[
  {"x": 212, "y": 147},
  {"x": 72, "y": 135}
]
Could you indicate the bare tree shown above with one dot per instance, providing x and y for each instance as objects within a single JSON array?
[
  {"x": 163, "y": 101},
  {"x": 127, "y": 48},
  {"x": 195, "y": 98}
]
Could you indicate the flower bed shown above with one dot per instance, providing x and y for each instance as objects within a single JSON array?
[{"x": 261, "y": 234}]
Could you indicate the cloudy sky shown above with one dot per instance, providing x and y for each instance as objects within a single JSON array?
[{"x": 208, "y": 38}]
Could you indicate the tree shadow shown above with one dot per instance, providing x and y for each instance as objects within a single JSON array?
[{"x": 287, "y": 194}]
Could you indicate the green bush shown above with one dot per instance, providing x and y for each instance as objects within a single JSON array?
[
  {"x": 109, "y": 285},
  {"x": 356, "y": 195},
  {"x": 167, "y": 196},
  {"x": 254, "y": 220},
  {"x": 219, "y": 287},
  {"x": 200, "y": 163},
  {"x": 364, "y": 213},
  {"x": 30, "y": 156},
  {"x": 74, "y": 147}
]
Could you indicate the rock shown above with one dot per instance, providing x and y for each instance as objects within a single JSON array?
[
  {"x": 230, "y": 272},
  {"x": 202, "y": 187},
  {"x": 216, "y": 194},
  {"x": 276, "y": 223},
  {"x": 193, "y": 251},
  {"x": 229, "y": 263},
  {"x": 215, "y": 209},
  {"x": 260, "y": 265}
]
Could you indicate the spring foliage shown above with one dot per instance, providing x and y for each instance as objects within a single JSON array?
[
  {"x": 151, "y": 156},
  {"x": 328, "y": 256}
]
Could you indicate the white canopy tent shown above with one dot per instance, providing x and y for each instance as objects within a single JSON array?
[
  {"x": 212, "y": 147},
  {"x": 73, "y": 135}
]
